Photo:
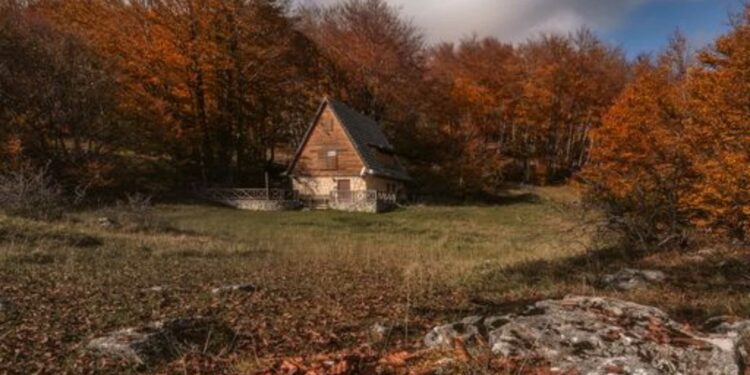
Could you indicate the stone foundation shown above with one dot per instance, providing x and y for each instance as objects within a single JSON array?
[
  {"x": 365, "y": 206},
  {"x": 323, "y": 186}
]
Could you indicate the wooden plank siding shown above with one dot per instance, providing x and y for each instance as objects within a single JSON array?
[{"x": 323, "y": 139}]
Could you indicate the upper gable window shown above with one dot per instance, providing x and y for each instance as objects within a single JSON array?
[
  {"x": 332, "y": 160},
  {"x": 327, "y": 124}
]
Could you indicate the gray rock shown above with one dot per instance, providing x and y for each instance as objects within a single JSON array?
[
  {"x": 708, "y": 251},
  {"x": 106, "y": 222},
  {"x": 628, "y": 279},
  {"x": 589, "y": 335},
  {"x": 737, "y": 331},
  {"x": 163, "y": 341},
  {"x": 379, "y": 332},
  {"x": 247, "y": 288},
  {"x": 156, "y": 289},
  {"x": 729, "y": 325},
  {"x": 467, "y": 330}
]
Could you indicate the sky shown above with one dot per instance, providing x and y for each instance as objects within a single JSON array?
[{"x": 635, "y": 25}]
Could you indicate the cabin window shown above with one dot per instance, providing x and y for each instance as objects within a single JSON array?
[
  {"x": 332, "y": 160},
  {"x": 327, "y": 124}
]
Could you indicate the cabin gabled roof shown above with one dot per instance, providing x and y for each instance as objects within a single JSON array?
[{"x": 365, "y": 135}]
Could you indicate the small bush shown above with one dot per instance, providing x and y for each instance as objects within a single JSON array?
[
  {"x": 31, "y": 193},
  {"x": 136, "y": 213}
]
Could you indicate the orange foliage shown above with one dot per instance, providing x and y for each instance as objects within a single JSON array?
[
  {"x": 720, "y": 135},
  {"x": 674, "y": 151},
  {"x": 214, "y": 88},
  {"x": 524, "y": 113},
  {"x": 205, "y": 76}
]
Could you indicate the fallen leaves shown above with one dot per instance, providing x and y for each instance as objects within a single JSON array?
[
  {"x": 462, "y": 354},
  {"x": 58, "y": 306}
]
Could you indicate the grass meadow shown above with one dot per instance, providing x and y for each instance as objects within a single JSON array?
[{"x": 324, "y": 278}]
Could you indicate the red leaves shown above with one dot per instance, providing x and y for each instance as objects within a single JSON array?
[
  {"x": 341, "y": 364},
  {"x": 462, "y": 354},
  {"x": 657, "y": 332},
  {"x": 291, "y": 367},
  {"x": 397, "y": 359},
  {"x": 419, "y": 362}
]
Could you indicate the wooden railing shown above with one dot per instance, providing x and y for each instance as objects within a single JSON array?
[
  {"x": 387, "y": 197},
  {"x": 229, "y": 195}
]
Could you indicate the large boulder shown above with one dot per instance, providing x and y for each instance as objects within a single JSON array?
[
  {"x": 738, "y": 331},
  {"x": 163, "y": 341},
  {"x": 589, "y": 335}
]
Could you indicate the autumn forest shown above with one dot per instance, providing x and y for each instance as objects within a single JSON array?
[
  {"x": 161, "y": 95},
  {"x": 551, "y": 204}
]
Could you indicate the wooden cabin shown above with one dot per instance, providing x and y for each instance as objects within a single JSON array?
[{"x": 345, "y": 162}]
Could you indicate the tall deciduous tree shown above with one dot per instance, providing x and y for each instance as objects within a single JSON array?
[
  {"x": 569, "y": 83},
  {"x": 639, "y": 169},
  {"x": 525, "y": 113},
  {"x": 377, "y": 58},
  {"x": 224, "y": 83},
  {"x": 57, "y": 103},
  {"x": 674, "y": 151},
  {"x": 482, "y": 79},
  {"x": 720, "y": 133}
]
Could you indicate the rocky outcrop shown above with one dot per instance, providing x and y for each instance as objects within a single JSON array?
[
  {"x": 738, "y": 331},
  {"x": 163, "y": 341},
  {"x": 590, "y": 335},
  {"x": 628, "y": 279}
]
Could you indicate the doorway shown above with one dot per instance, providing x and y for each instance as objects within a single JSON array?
[{"x": 344, "y": 188}]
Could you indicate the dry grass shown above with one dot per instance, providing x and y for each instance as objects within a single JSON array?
[{"x": 324, "y": 277}]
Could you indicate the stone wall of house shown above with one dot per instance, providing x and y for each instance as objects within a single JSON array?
[
  {"x": 323, "y": 186},
  {"x": 365, "y": 206},
  {"x": 356, "y": 206}
]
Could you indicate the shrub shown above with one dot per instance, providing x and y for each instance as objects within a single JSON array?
[
  {"x": 31, "y": 193},
  {"x": 673, "y": 153},
  {"x": 639, "y": 168},
  {"x": 136, "y": 212}
]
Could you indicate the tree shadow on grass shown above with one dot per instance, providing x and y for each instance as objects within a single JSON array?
[
  {"x": 484, "y": 200},
  {"x": 696, "y": 288},
  {"x": 501, "y": 290}
]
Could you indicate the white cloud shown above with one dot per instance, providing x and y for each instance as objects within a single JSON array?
[{"x": 511, "y": 20}]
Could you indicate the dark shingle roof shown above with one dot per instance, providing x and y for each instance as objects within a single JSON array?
[{"x": 366, "y": 136}]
